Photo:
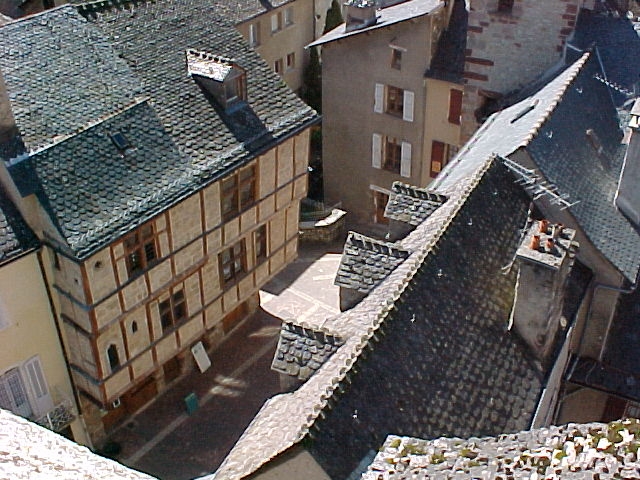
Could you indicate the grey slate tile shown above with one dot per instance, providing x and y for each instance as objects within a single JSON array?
[
  {"x": 16, "y": 238},
  {"x": 366, "y": 262},
  {"x": 412, "y": 205}
]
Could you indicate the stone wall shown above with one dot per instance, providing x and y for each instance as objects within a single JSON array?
[
  {"x": 506, "y": 50},
  {"x": 104, "y": 306}
]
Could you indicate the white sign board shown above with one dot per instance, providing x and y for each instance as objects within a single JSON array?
[{"x": 201, "y": 357}]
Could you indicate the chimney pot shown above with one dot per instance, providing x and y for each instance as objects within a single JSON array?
[
  {"x": 549, "y": 245},
  {"x": 535, "y": 242},
  {"x": 543, "y": 226}
]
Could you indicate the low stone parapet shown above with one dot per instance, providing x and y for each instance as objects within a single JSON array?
[{"x": 325, "y": 230}]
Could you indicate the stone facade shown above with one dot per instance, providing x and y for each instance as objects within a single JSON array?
[
  {"x": 382, "y": 128},
  {"x": 510, "y": 47}
]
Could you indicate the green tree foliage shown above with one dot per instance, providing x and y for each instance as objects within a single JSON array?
[
  {"x": 312, "y": 78},
  {"x": 334, "y": 17}
]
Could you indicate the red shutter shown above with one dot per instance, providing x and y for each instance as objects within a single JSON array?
[
  {"x": 455, "y": 106},
  {"x": 437, "y": 157}
]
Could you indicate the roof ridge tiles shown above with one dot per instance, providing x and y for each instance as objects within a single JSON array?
[{"x": 358, "y": 325}]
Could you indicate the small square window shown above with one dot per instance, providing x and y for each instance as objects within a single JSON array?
[
  {"x": 291, "y": 60},
  {"x": 288, "y": 16},
  {"x": 396, "y": 58},
  {"x": 277, "y": 66}
]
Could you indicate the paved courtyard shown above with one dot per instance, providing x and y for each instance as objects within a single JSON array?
[{"x": 164, "y": 441}]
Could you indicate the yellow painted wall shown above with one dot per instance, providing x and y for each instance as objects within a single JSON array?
[{"x": 27, "y": 329}]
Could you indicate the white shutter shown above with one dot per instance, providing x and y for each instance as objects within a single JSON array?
[
  {"x": 252, "y": 34},
  {"x": 39, "y": 389},
  {"x": 376, "y": 151},
  {"x": 407, "y": 106},
  {"x": 275, "y": 24},
  {"x": 405, "y": 160},
  {"x": 379, "y": 98}
]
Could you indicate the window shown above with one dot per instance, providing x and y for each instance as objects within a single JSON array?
[
  {"x": 120, "y": 140},
  {"x": 13, "y": 395},
  {"x": 288, "y": 16},
  {"x": 291, "y": 60},
  {"x": 140, "y": 249},
  {"x": 56, "y": 260},
  {"x": 260, "y": 244},
  {"x": 24, "y": 390},
  {"x": 173, "y": 310},
  {"x": 505, "y": 6},
  {"x": 455, "y": 106},
  {"x": 394, "y": 101},
  {"x": 392, "y": 152},
  {"x": 277, "y": 66},
  {"x": 113, "y": 357},
  {"x": 380, "y": 201},
  {"x": 233, "y": 264},
  {"x": 396, "y": 58},
  {"x": 236, "y": 87},
  {"x": 238, "y": 192},
  {"x": 441, "y": 154},
  {"x": 254, "y": 34},
  {"x": 276, "y": 22}
]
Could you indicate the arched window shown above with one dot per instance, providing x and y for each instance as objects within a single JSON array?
[
  {"x": 134, "y": 326},
  {"x": 114, "y": 358}
]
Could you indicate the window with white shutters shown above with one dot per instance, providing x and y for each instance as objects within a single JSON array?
[
  {"x": 376, "y": 151},
  {"x": 42, "y": 401},
  {"x": 405, "y": 161}
]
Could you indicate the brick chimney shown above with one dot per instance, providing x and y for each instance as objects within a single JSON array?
[
  {"x": 360, "y": 14},
  {"x": 544, "y": 261}
]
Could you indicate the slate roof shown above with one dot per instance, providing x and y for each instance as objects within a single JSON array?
[
  {"x": 586, "y": 168},
  {"x": 302, "y": 350},
  {"x": 61, "y": 74},
  {"x": 447, "y": 63},
  {"x": 551, "y": 125},
  {"x": 573, "y": 451},
  {"x": 483, "y": 381},
  {"x": 16, "y": 238},
  {"x": 130, "y": 54},
  {"x": 618, "y": 47},
  {"x": 412, "y": 205},
  {"x": 366, "y": 262},
  {"x": 386, "y": 16},
  {"x": 32, "y": 452},
  {"x": 94, "y": 191}
]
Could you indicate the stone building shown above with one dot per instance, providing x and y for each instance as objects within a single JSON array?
[
  {"x": 514, "y": 269},
  {"x": 163, "y": 176},
  {"x": 510, "y": 43},
  {"x": 34, "y": 379},
  {"x": 398, "y": 118}
]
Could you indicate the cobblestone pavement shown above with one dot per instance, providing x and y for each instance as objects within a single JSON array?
[{"x": 164, "y": 441}]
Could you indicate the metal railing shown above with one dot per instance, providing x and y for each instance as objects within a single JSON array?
[{"x": 59, "y": 417}]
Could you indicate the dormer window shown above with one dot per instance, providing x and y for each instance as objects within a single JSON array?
[{"x": 223, "y": 78}]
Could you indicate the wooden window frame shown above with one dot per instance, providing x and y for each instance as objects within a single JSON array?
[
  {"x": 173, "y": 310},
  {"x": 290, "y": 61},
  {"x": 396, "y": 58},
  {"x": 288, "y": 17},
  {"x": 392, "y": 154},
  {"x": 278, "y": 66},
  {"x": 140, "y": 249},
  {"x": 235, "y": 258},
  {"x": 380, "y": 198},
  {"x": 455, "y": 106},
  {"x": 238, "y": 192},
  {"x": 394, "y": 101},
  {"x": 260, "y": 244}
]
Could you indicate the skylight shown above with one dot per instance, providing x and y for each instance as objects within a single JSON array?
[{"x": 120, "y": 141}]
